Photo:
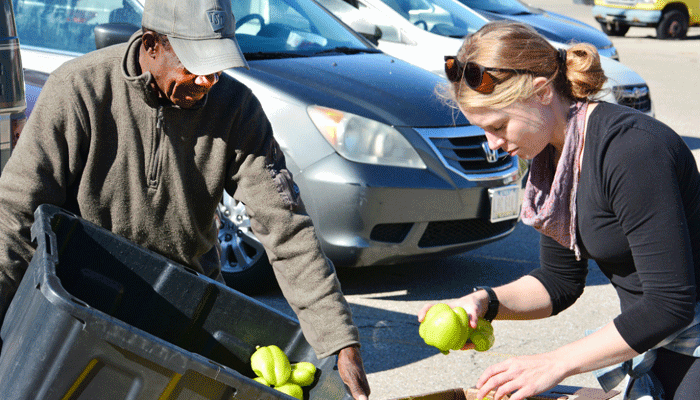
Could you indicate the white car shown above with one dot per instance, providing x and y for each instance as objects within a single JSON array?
[{"x": 422, "y": 32}]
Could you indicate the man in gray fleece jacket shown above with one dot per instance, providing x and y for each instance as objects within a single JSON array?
[{"x": 142, "y": 138}]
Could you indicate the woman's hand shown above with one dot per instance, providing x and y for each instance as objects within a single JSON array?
[
  {"x": 474, "y": 304},
  {"x": 352, "y": 372},
  {"x": 525, "y": 376},
  {"x": 522, "y": 376}
]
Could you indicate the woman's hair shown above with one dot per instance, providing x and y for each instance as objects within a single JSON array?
[{"x": 503, "y": 44}]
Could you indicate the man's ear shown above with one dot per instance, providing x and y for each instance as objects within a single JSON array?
[
  {"x": 544, "y": 90},
  {"x": 149, "y": 41}
]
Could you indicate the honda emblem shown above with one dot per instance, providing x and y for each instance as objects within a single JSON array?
[{"x": 491, "y": 155}]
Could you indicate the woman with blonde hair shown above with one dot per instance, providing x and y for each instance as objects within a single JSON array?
[{"x": 607, "y": 183}]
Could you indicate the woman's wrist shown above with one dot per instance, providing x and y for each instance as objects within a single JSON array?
[
  {"x": 481, "y": 298},
  {"x": 492, "y": 302}
]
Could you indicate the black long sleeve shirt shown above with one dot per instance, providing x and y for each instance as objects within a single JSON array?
[{"x": 638, "y": 208}]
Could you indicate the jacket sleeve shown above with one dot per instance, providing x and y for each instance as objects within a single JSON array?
[
  {"x": 43, "y": 164},
  {"x": 279, "y": 220}
]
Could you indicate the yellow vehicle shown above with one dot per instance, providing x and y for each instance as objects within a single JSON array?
[{"x": 671, "y": 18}]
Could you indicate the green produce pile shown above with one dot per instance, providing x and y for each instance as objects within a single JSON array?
[
  {"x": 273, "y": 368},
  {"x": 448, "y": 329}
]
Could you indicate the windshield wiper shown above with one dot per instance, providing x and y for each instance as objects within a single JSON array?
[
  {"x": 348, "y": 50},
  {"x": 272, "y": 55}
]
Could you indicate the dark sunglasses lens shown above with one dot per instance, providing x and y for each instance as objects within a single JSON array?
[
  {"x": 473, "y": 75},
  {"x": 451, "y": 69}
]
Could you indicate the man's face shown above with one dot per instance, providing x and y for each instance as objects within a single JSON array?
[{"x": 175, "y": 82}]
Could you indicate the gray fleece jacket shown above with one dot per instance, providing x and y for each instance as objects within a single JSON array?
[{"x": 99, "y": 143}]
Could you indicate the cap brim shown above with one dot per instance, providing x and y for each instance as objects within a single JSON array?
[{"x": 208, "y": 56}]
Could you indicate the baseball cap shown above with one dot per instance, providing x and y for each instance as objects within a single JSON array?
[{"x": 201, "y": 32}]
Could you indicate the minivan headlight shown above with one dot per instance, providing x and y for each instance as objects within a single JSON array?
[{"x": 364, "y": 140}]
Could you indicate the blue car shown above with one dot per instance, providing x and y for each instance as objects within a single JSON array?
[{"x": 555, "y": 27}]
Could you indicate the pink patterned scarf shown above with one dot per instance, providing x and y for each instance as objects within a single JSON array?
[{"x": 549, "y": 203}]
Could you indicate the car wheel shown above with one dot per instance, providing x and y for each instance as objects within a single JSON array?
[
  {"x": 614, "y": 28},
  {"x": 673, "y": 25},
  {"x": 244, "y": 263}
]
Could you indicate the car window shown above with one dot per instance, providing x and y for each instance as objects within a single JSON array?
[
  {"x": 511, "y": 7},
  {"x": 262, "y": 26},
  {"x": 287, "y": 26},
  {"x": 68, "y": 25},
  {"x": 442, "y": 17}
]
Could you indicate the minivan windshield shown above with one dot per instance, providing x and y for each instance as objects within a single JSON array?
[{"x": 291, "y": 28}]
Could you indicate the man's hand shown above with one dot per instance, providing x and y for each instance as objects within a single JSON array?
[{"x": 352, "y": 372}]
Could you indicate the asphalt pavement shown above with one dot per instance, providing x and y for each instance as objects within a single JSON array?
[{"x": 385, "y": 300}]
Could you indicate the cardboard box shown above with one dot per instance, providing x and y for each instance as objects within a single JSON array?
[{"x": 561, "y": 392}]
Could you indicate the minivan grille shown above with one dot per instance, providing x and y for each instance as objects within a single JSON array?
[
  {"x": 444, "y": 233},
  {"x": 634, "y": 96},
  {"x": 390, "y": 233},
  {"x": 470, "y": 154}
]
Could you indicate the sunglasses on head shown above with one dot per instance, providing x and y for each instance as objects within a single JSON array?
[{"x": 475, "y": 75}]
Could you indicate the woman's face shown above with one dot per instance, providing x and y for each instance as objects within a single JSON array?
[{"x": 523, "y": 128}]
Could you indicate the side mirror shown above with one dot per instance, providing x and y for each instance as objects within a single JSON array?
[
  {"x": 368, "y": 30},
  {"x": 113, "y": 33}
]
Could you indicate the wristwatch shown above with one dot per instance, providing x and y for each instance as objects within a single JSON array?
[{"x": 492, "y": 309}]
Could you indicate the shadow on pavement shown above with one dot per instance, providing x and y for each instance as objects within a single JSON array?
[
  {"x": 390, "y": 338},
  {"x": 491, "y": 265}
]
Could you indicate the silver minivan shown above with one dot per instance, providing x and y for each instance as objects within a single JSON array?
[{"x": 388, "y": 172}]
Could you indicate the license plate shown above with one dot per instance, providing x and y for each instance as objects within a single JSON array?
[{"x": 505, "y": 203}]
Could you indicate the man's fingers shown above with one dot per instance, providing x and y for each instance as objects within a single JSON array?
[
  {"x": 358, "y": 392},
  {"x": 352, "y": 372}
]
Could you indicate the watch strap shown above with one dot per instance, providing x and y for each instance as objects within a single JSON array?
[{"x": 492, "y": 309}]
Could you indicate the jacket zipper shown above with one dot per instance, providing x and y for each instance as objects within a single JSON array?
[{"x": 156, "y": 152}]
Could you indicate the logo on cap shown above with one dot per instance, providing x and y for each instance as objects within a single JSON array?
[{"x": 217, "y": 19}]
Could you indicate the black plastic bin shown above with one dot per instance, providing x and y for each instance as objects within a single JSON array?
[{"x": 98, "y": 317}]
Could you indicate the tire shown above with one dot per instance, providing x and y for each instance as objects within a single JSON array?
[
  {"x": 614, "y": 28},
  {"x": 673, "y": 25},
  {"x": 244, "y": 263}
]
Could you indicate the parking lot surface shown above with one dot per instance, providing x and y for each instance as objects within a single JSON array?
[{"x": 385, "y": 300}]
